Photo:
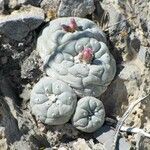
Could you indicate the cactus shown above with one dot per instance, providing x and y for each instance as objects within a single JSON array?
[
  {"x": 89, "y": 114},
  {"x": 75, "y": 51},
  {"x": 79, "y": 64},
  {"x": 52, "y": 101},
  {"x": 86, "y": 65},
  {"x": 65, "y": 30}
]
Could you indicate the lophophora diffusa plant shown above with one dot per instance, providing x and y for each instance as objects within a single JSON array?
[
  {"x": 89, "y": 114},
  {"x": 52, "y": 101},
  {"x": 75, "y": 54},
  {"x": 88, "y": 70}
]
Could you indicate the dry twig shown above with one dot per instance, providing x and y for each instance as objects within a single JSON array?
[
  {"x": 121, "y": 21},
  {"x": 134, "y": 130},
  {"x": 124, "y": 117}
]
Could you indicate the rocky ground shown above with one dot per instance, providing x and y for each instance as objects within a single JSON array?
[{"x": 127, "y": 26}]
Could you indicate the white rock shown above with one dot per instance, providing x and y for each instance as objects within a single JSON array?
[
  {"x": 66, "y": 8},
  {"x": 3, "y": 140},
  {"x": 81, "y": 145},
  {"x": 15, "y": 3},
  {"x": 1, "y": 6},
  {"x": 105, "y": 136},
  {"x": 18, "y": 24},
  {"x": 144, "y": 55},
  {"x": 62, "y": 148}
]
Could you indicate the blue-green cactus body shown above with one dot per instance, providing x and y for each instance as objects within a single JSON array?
[
  {"x": 54, "y": 36},
  {"x": 61, "y": 50},
  {"x": 52, "y": 101},
  {"x": 77, "y": 60},
  {"x": 89, "y": 114},
  {"x": 87, "y": 79}
]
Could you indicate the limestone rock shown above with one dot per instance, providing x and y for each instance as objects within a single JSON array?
[
  {"x": 142, "y": 142},
  {"x": 30, "y": 67},
  {"x": 115, "y": 16},
  {"x": 75, "y": 8},
  {"x": 16, "y": 3},
  {"x": 105, "y": 136},
  {"x": 18, "y": 24},
  {"x": 3, "y": 140},
  {"x": 66, "y": 8},
  {"x": 52, "y": 5},
  {"x": 1, "y": 6},
  {"x": 62, "y": 148},
  {"x": 144, "y": 56},
  {"x": 81, "y": 145},
  {"x": 23, "y": 145},
  {"x": 124, "y": 87}
]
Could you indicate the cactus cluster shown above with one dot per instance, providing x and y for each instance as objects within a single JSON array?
[{"x": 78, "y": 64}]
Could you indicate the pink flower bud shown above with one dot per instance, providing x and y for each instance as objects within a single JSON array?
[
  {"x": 71, "y": 27},
  {"x": 66, "y": 28},
  {"x": 87, "y": 54},
  {"x": 73, "y": 24}
]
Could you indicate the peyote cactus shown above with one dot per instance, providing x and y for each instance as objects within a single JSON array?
[
  {"x": 89, "y": 114},
  {"x": 65, "y": 30},
  {"x": 77, "y": 59},
  {"x": 52, "y": 101},
  {"x": 76, "y": 53},
  {"x": 88, "y": 73}
]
